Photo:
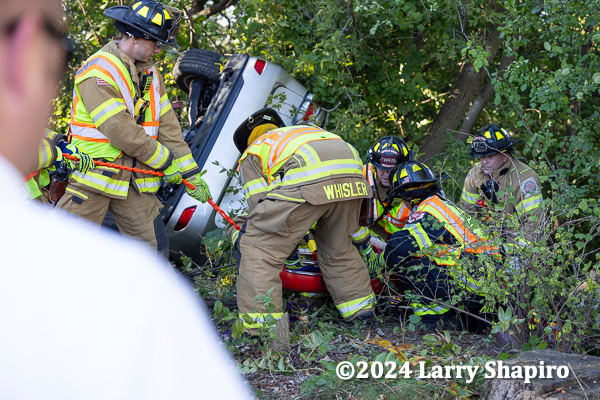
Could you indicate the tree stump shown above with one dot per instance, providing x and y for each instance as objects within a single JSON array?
[
  {"x": 282, "y": 330},
  {"x": 582, "y": 382}
]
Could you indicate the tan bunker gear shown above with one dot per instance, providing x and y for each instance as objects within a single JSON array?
[{"x": 293, "y": 177}]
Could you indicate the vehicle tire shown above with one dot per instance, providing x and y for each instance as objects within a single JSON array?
[{"x": 196, "y": 63}]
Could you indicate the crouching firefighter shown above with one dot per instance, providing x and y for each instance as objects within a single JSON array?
[
  {"x": 437, "y": 252},
  {"x": 293, "y": 177}
]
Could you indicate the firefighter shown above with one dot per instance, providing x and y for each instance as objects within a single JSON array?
[
  {"x": 499, "y": 171},
  {"x": 426, "y": 252},
  {"x": 293, "y": 177},
  {"x": 121, "y": 113},
  {"x": 383, "y": 158},
  {"x": 50, "y": 159}
]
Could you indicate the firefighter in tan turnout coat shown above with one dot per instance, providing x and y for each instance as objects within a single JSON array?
[
  {"x": 293, "y": 177},
  {"x": 121, "y": 114},
  {"x": 500, "y": 177}
]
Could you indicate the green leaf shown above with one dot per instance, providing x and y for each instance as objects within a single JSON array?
[
  {"x": 218, "y": 308},
  {"x": 547, "y": 46}
]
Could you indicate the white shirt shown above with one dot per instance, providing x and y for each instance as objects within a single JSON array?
[{"x": 89, "y": 315}]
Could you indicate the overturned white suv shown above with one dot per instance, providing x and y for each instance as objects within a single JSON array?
[{"x": 219, "y": 101}]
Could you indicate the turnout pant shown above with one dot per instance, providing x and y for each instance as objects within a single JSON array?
[
  {"x": 137, "y": 216},
  {"x": 425, "y": 278},
  {"x": 273, "y": 230}
]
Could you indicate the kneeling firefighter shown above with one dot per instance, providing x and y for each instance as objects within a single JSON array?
[
  {"x": 436, "y": 250},
  {"x": 294, "y": 177}
]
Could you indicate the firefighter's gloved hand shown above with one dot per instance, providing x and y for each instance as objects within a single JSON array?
[
  {"x": 201, "y": 193},
  {"x": 489, "y": 189},
  {"x": 371, "y": 259},
  {"x": 85, "y": 161},
  {"x": 294, "y": 263},
  {"x": 173, "y": 174}
]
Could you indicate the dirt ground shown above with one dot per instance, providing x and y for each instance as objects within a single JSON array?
[{"x": 341, "y": 341}]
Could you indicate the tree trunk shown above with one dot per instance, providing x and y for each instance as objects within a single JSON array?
[
  {"x": 480, "y": 102},
  {"x": 458, "y": 102},
  {"x": 580, "y": 383}
]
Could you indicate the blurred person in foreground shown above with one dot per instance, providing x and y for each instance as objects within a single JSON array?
[{"x": 88, "y": 322}]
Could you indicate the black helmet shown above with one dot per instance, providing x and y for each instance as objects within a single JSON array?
[
  {"x": 388, "y": 153},
  {"x": 413, "y": 180},
  {"x": 264, "y": 116},
  {"x": 147, "y": 19},
  {"x": 491, "y": 139}
]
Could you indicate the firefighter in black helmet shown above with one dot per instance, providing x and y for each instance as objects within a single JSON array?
[
  {"x": 498, "y": 171},
  {"x": 121, "y": 113},
  {"x": 382, "y": 160},
  {"x": 426, "y": 252}
]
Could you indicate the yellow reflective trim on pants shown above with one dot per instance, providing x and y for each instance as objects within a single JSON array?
[
  {"x": 470, "y": 198},
  {"x": 360, "y": 235},
  {"x": 259, "y": 319},
  {"x": 350, "y": 308},
  {"x": 76, "y": 193},
  {"x": 102, "y": 183}
]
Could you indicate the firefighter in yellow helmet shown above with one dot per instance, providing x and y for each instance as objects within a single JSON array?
[
  {"x": 426, "y": 252},
  {"x": 497, "y": 178},
  {"x": 121, "y": 113},
  {"x": 293, "y": 177}
]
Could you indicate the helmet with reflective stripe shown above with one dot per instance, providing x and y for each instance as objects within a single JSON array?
[
  {"x": 413, "y": 180},
  {"x": 491, "y": 139},
  {"x": 147, "y": 19},
  {"x": 388, "y": 153},
  {"x": 261, "y": 117}
]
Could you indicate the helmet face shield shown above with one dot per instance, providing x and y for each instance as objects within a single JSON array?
[{"x": 175, "y": 24}]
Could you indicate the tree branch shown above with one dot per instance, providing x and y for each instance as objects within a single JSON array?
[{"x": 483, "y": 97}]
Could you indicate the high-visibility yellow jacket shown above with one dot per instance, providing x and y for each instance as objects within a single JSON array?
[
  {"x": 393, "y": 220},
  {"x": 441, "y": 231},
  {"x": 48, "y": 154},
  {"x": 302, "y": 164},
  {"x": 108, "y": 123}
]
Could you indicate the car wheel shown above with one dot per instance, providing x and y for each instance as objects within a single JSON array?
[{"x": 197, "y": 63}]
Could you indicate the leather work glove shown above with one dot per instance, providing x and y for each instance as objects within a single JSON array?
[
  {"x": 173, "y": 174},
  {"x": 371, "y": 260},
  {"x": 85, "y": 161},
  {"x": 201, "y": 193}
]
